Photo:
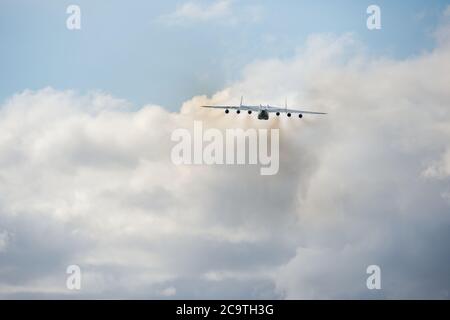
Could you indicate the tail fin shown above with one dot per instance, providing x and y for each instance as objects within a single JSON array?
[{"x": 242, "y": 99}]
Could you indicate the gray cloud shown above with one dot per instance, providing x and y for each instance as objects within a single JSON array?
[{"x": 84, "y": 180}]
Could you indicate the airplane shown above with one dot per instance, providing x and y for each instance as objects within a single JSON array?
[{"x": 263, "y": 111}]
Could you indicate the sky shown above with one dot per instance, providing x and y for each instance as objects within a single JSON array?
[
  {"x": 86, "y": 176},
  {"x": 154, "y": 52}
]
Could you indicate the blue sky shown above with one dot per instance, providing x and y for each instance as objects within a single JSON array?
[{"x": 129, "y": 49}]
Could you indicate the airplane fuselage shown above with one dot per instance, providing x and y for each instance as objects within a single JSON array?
[{"x": 263, "y": 115}]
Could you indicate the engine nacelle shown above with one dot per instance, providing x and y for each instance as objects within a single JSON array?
[
  {"x": 249, "y": 111},
  {"x": 300, "y": 115},
  {"x": 227, "y": 111},
  {"x": 277, "y": 113},
  {"x": 289, "y": 114},
  {"x": 238, "y": 111}
]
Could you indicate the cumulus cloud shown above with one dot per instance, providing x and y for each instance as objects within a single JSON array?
[
  {"x": 194, "y": 11},
  {"x": 221, "y": 11},
  {"x": 85, "y": 180}
]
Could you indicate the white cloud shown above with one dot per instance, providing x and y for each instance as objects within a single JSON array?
[
  {"x": 86, "y": 181},
  {"x": 193, "y": 11},
  {"x": 439, "y": 169},
  {"x": 169, "y": 291},
  {"x": 4, "y": 240},
  {"x": 218, "y": 11}
]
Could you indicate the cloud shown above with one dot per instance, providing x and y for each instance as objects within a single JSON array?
[
  {"x": 439, "y": 169},
  {"x": 220, "y": 11},
  {"x": 86, "y": 180},
  {"x": 195, "y": 12},
  {"x": 4, "y": 239}
]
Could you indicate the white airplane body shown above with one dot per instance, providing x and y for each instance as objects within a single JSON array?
[{"x": 263, "y": 111}]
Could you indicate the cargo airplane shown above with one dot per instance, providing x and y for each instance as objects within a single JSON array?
[{"x": 263, "y": 110}]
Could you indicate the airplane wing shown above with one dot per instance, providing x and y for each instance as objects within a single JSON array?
[
  {"x": 277, "y": 109},
  {"x": 252, "y": 108},
  {"x": 222, "y": 107}
]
